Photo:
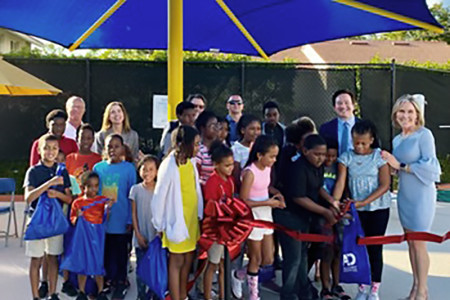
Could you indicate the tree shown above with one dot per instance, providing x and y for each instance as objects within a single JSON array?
[
  {"x": 56, "y": 51},
  {"x": 440, "y": 13}
]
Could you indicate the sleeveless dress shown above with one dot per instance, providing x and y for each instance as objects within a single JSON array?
[
  {"x": 259, "y": 191},
  {"x": 190, "y": 211},
  {"x": 416, "y": 197}
]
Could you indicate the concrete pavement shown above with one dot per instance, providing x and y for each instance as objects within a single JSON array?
[{"x": 14, "y": 282}]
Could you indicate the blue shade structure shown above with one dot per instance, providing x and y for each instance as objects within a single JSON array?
[{"x": 274, "y": 24}]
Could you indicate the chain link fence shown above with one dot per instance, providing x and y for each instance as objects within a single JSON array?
[{"x": 300, "y": 89}]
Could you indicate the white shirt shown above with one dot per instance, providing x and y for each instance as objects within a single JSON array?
[
  {"x": 167, "y": 204},
  {"x": 240, "y": 153},
  {"x": 70, "y": 132}
]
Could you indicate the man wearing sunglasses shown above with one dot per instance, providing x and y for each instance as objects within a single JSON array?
[
  {"x": 235, "y": 106},
  {"x": 199, "y": 102}
]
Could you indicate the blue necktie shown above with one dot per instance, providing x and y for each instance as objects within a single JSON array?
[{"x": 345, "y": 138}]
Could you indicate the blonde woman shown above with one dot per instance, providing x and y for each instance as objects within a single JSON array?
[
  {"x": 414, "y": 157},
  {"x": 116, "y": 121}
]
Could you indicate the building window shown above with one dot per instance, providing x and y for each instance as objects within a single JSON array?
[{"x": 14, "y": 46}]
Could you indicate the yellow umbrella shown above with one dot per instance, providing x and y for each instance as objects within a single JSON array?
[{"x": 16, "y": 82}]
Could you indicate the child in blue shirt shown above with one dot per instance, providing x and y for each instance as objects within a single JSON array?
[
  {"x": 116, "y": 179},
  {"x": 368, "y": 182}
]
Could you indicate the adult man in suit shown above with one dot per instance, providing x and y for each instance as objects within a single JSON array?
[{"x": 339, "y": 129}]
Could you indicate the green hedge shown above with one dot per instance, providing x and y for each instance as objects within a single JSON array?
[
  {"x": 14, "y": 169},
  {"x": 445, "y": 165}
]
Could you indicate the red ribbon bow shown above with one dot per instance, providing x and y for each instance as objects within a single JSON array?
[{"x": 226, "y": 222}]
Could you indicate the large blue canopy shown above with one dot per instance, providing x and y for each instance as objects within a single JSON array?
[{"x": 142, "y": 24}]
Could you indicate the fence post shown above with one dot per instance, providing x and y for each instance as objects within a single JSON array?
[
  {"x": 227, "y": 275},
  {"x": 242, "y": 79},
  {"x": 87, "y": 97},
  {"x": 392, "y": 100},
  {"x": 393, "y": 96}
]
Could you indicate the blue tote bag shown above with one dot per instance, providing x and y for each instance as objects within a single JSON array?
[
  {"x": 85, "y": 253},
  {"x": 354, "y": 265},
  {"x": 48, "y": 219},
  {"x": 152, "y": 268}
]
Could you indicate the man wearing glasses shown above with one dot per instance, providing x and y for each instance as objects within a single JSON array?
[{"x": 235, "y": 106}]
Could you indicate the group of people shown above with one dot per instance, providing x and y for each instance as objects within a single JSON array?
[{"x": 295, "y": 176}]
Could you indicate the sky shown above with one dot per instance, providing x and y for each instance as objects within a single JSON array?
[{"x": 431, "y": 2}]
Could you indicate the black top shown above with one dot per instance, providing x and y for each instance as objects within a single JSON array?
[
  {"x": 39, "y": 174},
  {"x": 284, "y": 160},
  {"x": 276, "y": 132},
  {"x": 304, "y": 180},
  {"x": 173, "y": 125}
]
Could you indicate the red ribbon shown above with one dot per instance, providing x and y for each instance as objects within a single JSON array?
[
  {"x": 409, "y": 236},
  {"x": 229, "y": 222},
  {"x": 305, "y": 237}
]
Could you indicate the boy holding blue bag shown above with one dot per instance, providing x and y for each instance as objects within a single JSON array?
[{"x": 41, "y": 179}]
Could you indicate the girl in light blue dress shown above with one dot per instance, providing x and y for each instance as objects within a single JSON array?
[
  {"x": 368, "y": 183},
  {"x": 414, "y": 159}
]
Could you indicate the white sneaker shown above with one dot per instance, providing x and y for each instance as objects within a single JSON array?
[
  {"x": 373, "y": 296},
  {"x": 236, "y": 285},
  {"x": 362, "y": 295}
]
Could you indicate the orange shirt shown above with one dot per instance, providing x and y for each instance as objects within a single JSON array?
[
  {"x": 77, "y": 163},
  {"x": 93, "y": 214}
]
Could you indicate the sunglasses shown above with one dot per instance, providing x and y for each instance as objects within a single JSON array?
[{"x": 232, "y": 102}]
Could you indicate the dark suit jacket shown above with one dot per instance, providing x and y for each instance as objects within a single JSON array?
[{"x": 329, "y": 130}]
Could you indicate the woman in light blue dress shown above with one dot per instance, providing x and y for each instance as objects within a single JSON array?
[{"x": 414, "y": 157}]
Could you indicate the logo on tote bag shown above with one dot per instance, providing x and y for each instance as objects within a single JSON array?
[
  {"x": 349, "y": 261},
  {"x": 355, "y": 267}
]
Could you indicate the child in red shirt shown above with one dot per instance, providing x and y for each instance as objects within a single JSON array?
[
  {"x": 84, "y": 160},
  {"x": 92, "y": 208},
  {"x": 219, "y": 186},
  {"x": 56, "y": 124}
]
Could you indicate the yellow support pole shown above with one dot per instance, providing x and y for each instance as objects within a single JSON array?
[
  {"x": 175, "y": 56},
  {"x": 390, "y": 15},
  {"x": 97, "y": 23},
  {"x": 241, "y": 27}
]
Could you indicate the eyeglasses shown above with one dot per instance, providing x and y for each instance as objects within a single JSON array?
[
  {"x": 232, "y": 102},
  {"x": 215, "y": 125}
]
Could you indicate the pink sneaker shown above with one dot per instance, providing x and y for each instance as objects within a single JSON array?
[{"x": 252, "y": 282}]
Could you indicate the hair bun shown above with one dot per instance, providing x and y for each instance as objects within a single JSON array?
[{"x": 419, "y": 99}]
